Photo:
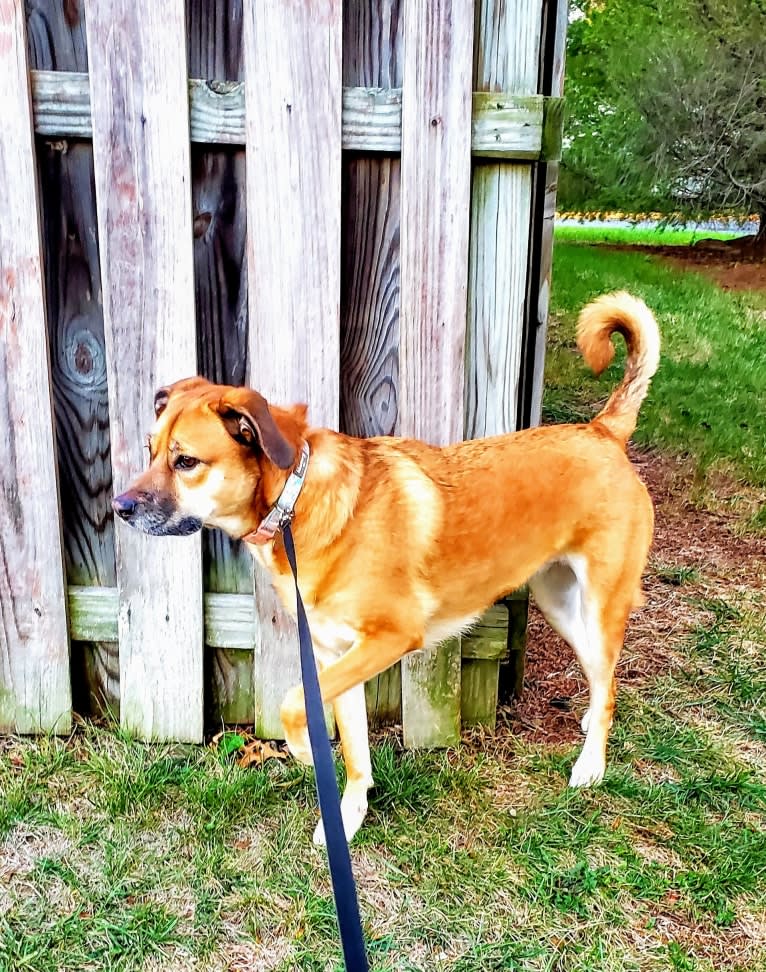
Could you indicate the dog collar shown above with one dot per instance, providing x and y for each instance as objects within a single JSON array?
[{"x": 283, "y": 511}]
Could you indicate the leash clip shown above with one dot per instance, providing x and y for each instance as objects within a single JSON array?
[{"x": 286, "y": 517}]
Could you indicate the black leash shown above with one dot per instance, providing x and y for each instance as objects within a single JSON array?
[{"x": 344, "y": 889}]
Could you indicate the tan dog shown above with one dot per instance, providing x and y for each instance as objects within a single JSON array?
[{"x": 401, "y": 545}]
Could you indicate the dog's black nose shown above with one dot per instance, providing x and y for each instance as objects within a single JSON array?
[{"x": 124, "y": 506}]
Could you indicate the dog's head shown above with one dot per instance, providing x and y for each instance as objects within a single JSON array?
[{"x": 213, "y": 452}]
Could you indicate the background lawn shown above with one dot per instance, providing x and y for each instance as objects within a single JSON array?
[
  {"x": 115, "y": 855},
  {"x": 708, "y": 399}
]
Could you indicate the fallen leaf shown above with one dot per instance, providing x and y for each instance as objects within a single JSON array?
[{"x": 258, "y": 752}]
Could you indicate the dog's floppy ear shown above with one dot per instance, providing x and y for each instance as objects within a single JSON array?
[
  {"x": 247, "y": 419},
  {"x": 160, "y": 401},
  {"x": 163, "y": 394}
]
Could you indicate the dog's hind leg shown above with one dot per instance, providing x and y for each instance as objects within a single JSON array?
[
  {"x": 569, "y": 604},
  {"x": 351, "y": 719}
]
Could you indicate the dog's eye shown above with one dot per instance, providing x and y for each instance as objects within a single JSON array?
[{"x": 185, "y": 463}]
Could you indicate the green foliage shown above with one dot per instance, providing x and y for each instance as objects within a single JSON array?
[
  {"x": 230, "y": 742},
  {"x": 666, "y": 104},
  {"x": 706, "y": 400},
  {"x": 586, "y": 232}
]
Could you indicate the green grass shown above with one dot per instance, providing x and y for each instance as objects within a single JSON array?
[
  {"x": 670, "y": 236},
  {"x": 707, "y": 399},
  {"x": 115, "y": 855}
]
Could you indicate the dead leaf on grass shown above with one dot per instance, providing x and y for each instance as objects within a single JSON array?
[
  {"x": 246, "y": 748},
  {"x": 258, "y": 752}
]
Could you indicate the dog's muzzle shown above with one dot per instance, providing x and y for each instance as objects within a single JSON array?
[{"x": 154, "y": 515}]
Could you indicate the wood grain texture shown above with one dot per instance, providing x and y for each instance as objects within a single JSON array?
[
  {"x": 56, "y": 35},
  {"x": 506, "y": 53},
  {"x": 500, "y": 213},
  {"x": 293, "y": 90},
  {"x": 56, "y": 40},
  {"x": 507, "y": 46},
  {"x": 435, "y": 194},
  {"x": 229, "y": 618},
  {"x": 61, "y": 101},
  {"x": 93, "y": 613},
  {"x": 369, "y": 320},
  {"x": 544, "y": 208},
  {"x": 229, "y": 682},
  {"x": 216, "y": 114},
  {"x": 435, "y": 197},
  {"x": 372, "y": 119},
  {"x": 369, "y": 374},
  {"x": 214, "y": 43},
  {"x": 140, "y": 140},
  {"x": 369, "y": 329},
  {"x": 482, "y": 650},
  {"x": 34, "y": 648},
  {"x": 507, "y": 126},
  {"x": 512, "y": 675}
]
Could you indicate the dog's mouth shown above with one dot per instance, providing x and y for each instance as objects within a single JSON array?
[{"x": 152, "y": 515}]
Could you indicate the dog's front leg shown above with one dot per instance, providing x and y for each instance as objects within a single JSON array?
[
  {"x": 342, "y": 683},
  {"x": 351, "y": 719}
]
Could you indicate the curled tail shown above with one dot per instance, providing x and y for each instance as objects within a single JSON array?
[{"x": 629, "y": 316}]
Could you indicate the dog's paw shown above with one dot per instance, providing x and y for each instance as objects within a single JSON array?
[
  {"x": 293, "y": 716},
  {"x": 588, "y": 770},
  {"x": 353, "y": 808}
]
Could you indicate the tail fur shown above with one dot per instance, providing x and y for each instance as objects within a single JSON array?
[{"x": 629, "y": 316}]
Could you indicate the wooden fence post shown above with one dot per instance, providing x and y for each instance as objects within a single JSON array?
[
  {"x": 435, "y": 198},
  {"x": 292, "y": 61},
  {"x": 139, "y": 99},
  {"x": 34, "y": 646}
]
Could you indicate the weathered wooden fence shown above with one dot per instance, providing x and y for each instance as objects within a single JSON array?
[{"x": 364, "y": 223}]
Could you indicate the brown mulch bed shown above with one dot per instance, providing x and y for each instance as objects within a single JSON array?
[
  {"x": 733, "y": 268},
  {"x": 686, "y": 536}
]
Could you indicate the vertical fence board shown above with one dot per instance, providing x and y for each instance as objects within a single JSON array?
[
  {"x": 506, "y": 58},
  {"x": 543, "y": 214},
  {"x": 369, "y": 315},
  {"x": 56, "y": 40},
  {"x": 369, "y": 328},
  {"x": 435, "y": 196},
  {"x": 293, "y": 129},
  {"x": 138, "y": 86},
  {"x": 506, "y": 52},
  {"x": 214, "y": 39},
  {"x": 34, "y": 648},
  {"x": 214, "y": 43}
]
